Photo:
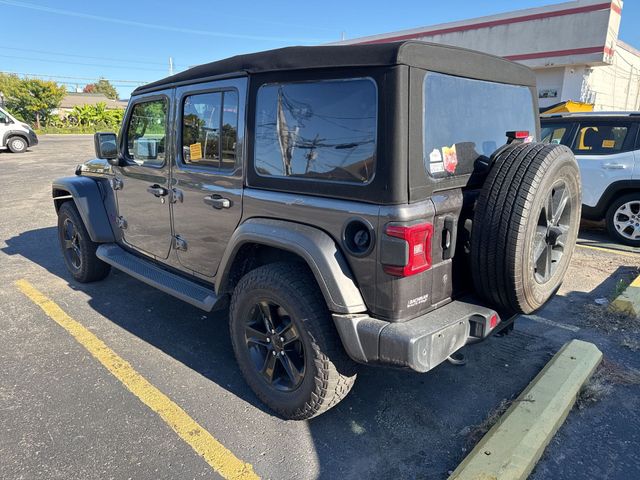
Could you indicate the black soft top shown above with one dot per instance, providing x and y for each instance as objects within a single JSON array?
[{"x": 429, "y": 56}]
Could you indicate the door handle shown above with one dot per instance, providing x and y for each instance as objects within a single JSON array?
[
  {"x": 217, "y": 202},
  {"x": 157, "y": 190},
  {"x": 614, "y": 166}
]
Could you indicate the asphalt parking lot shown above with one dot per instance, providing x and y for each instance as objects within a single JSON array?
[{"x": 63, "y": 415}]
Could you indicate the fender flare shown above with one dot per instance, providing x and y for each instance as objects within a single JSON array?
[
  {"x": 318, "y": 250},
  {"x": 89, "y": 197},
  {"x": 15, "y": 133},
  {"x": 611, "y": 192}
]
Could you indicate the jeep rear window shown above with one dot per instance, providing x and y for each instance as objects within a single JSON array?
[
  {"x": 467, "y": 119},
  {"x": 322, "y": 130}
]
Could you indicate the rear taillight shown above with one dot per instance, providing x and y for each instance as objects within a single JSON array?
[
  {"x": 418, "y": 238},
  {"x": 519, "y": 136}
]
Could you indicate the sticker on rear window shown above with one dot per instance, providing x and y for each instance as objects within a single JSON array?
[
  {"x": 450, "y": 158},
  {"x": 435, "y": 162}
]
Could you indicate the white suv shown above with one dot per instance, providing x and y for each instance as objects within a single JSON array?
[
  {"x": 607, "y": 146},
  {"x": 14, "y": 134}
]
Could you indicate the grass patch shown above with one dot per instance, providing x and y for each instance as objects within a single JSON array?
[
  {"x": 601, "y": 318},
  {"x": 621, "y": 286},
  {"x": 602, "y": 382},
  {"x": 476, "y": 432}
]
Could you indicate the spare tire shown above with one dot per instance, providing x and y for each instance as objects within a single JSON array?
[{"x": 525, "y": 226}]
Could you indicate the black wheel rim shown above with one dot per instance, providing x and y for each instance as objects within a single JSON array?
[
  {"x": 551, "y": 232},
  {"x": 71, "y": 243},
  {"x": 275, "y": 346}
]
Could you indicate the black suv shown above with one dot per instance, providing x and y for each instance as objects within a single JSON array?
[{"x": 378, "y": 204}]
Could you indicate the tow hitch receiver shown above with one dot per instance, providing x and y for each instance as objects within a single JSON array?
[{"x": 482, "y": 326}]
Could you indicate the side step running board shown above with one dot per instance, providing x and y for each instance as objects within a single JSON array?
[{"x": 147, "y": 272}]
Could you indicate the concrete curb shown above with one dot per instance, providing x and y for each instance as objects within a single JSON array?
[
  {"x": 629, "y": 301},
  {"x": 511, "y": 449}
]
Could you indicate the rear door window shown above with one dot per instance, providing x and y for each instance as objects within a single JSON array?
[
  {"x": 600, "y": 138},
  {"x": 322, "y": 130},
  {"x": 467, "y": 119},
  {"x": 210, "y": 129}
]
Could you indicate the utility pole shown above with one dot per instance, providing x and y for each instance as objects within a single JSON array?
[{"x": 170, "y": 65}]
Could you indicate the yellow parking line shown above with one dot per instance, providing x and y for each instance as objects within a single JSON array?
[
  {"x": 610, "y": 250},
  {"x": 214, "y": 453}
]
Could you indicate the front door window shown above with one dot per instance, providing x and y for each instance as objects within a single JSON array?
[{"x": 146, "y": 133}]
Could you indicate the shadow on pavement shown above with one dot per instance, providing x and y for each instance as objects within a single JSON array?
[{"x": 394, "y": 424}]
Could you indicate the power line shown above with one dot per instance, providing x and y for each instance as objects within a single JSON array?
[
  {"x": 92, "y": 79},
  {"x": 71, "y": 13},
  {"x": 67, "y": 62},
  {"x": 2, "y": 47},
  {"x": 77, "y": 84}
]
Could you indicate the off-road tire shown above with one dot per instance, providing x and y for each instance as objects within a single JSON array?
[
  {"x": 329, "y": 373},
  {"x": 90, "y": 268},
  {"x": 17, "y": 145},
  {"x": 633, "y": 198},
  {"x": 506, "y": 225}
]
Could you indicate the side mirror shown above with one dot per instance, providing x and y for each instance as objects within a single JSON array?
[
  {"x": 106, "y": 145},
  {"x": 6, "y": 120}
]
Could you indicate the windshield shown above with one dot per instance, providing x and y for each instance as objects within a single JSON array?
[
  {"x": 4, "y": 116},
  {"x": 468, "y": 119}
]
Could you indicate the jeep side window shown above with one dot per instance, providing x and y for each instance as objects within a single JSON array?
[
  {"x": 600, "y": 139},
  {"x": 210, "y": 129},
  {"x": 146, "y": 133},
  {"x": 322, "y": 130}
]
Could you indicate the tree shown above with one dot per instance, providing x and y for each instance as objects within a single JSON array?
[
  {"x": 102, "y": 86},
  {"x": 31, "y": 99}
]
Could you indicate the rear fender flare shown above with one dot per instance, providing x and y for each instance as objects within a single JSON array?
[{"x": 314, "y": 246}]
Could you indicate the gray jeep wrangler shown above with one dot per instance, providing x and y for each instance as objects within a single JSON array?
[{"x": 377, "y": 204}]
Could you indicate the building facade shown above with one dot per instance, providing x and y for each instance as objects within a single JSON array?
[{"x": 573, "y": 48}]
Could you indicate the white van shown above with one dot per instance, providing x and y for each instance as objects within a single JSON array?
[{"x": 15, "y": 135}]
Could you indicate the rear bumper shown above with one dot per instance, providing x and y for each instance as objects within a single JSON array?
[{"x": 419, "y": 344}]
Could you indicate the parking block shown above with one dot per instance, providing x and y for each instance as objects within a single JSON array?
[
  {"x": 511, "y": 449},
  {"x": 629, "y": 301}
]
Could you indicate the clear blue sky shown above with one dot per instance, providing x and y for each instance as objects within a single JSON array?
[{"x": 132, "y": 40}]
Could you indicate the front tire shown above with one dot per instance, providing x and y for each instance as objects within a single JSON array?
[
  {"x": 623, "y": 219},
  {"x": 285, "y": 342},
  {"x": 17, "y": 145},
  {"x": 78, "y": 250}
]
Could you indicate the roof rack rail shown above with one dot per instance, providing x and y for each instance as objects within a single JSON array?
[{"x": 593, "y": 114}]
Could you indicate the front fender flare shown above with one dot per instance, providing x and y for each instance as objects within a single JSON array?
[
  {"x": 15, "y": 133},
  {"x": 89, "y": 199},
  {"x": 318, "y": 250}
]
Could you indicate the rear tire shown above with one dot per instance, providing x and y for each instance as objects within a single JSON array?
[
  {"x": 623, "y": 219},
  {"x": 525, "y": 226},
  {"x": 78, "y": 250},
  {"x": 17, "y": 145},
  {"x": 301, "y": 370}
]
